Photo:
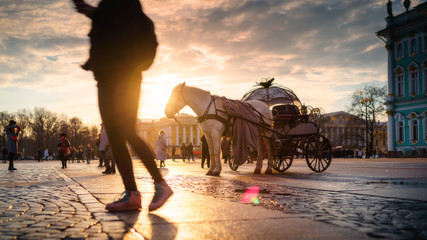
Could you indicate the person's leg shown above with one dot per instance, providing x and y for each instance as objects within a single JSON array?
[
  {"x": 203, "y": 158},
  {"x": 11, "y": 157},
  {"x": 208, "y": 160},
  {"x": 118, "y": 104},
  {"x": 109, "y": 106}
]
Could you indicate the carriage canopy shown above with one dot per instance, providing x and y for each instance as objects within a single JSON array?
[{"x": 272, "y": 95}]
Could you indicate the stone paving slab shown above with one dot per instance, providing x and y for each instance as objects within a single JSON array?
[{"x": 190, "y": 215}]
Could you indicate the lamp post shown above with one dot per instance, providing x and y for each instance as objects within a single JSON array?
[{"x": 366, "y": 102}]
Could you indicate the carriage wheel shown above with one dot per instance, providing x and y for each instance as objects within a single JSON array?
[
  {"x": 232, "y": 163},
  {"x": 318, "y": 153},
  {"x": 282, "y": 163}
]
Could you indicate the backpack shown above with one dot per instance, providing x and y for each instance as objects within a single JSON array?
[
  {"x": 64, "y": 146},
  {"x": 147, "y": 41}
]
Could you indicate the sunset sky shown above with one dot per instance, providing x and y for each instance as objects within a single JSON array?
[{"x": 322, "y": 49}]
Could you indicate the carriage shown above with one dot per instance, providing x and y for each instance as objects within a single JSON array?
[{"x": 295, "y": 129}]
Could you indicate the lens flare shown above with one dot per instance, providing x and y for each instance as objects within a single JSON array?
[{"x": 251, "y": 195}]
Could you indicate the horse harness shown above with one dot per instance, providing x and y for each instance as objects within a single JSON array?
[{"x": 229, "y": 121}]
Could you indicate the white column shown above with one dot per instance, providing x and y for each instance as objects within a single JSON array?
[
  {"x": 198, "y": 136},
  {"x": 191, "y": 135},
  {"x": 177, "y": 135},
  {"x": 184, "y": 135},
  {"x": 169, "y": 139}
]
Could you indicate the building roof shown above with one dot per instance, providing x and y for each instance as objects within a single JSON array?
[{"x": 405, "y": 22}]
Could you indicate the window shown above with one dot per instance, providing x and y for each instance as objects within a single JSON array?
[
  {"x": 413, "y": 82},
  {"x": 425, "y": 129},
  {"x": 399, "y": 131},
  {"x": 413, "y": 46},
  {"x": 425, "y": 78},
  {"x": 399, "y": 85},
  {"x": 399, "y": 50},
  {"x": 414, "y": 130}
]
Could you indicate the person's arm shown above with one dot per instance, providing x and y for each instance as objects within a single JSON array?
[{"x": 84, "y": 8}]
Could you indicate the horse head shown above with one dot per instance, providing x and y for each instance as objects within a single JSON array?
[{"x": 176, "y": 101}]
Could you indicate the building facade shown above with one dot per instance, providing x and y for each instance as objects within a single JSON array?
[
  {"x": 405, "y": 37},
  {"x": 184, "y": 131},
  {"x": 349, "y": 131}
]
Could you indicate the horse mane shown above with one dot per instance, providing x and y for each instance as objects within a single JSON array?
[{"x": 191, "y": 87}]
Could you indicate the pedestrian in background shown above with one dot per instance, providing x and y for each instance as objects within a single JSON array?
[
  {"x": 4, "y": 152},
  {"x": 161, "y": 149},
  {"x": 173, "y": 152},
  {"x": 64, "y": 149},
  {"x": 225, "y": 149},
  {"x": 39, "y": 154},
  {"x": 123, "y": 44},
  {"x": 46, "y": 154},
  {"x": 190, "y": 153},
  {"x": 101, "y": 160},
  {"x": 12, "y": 131},
  {"x": 80, "y": 154},
  {"x": 88, "y": 153},
  {"x": 105, "y": 152},
  {"x": 205, "y": 152},
  {"x": 183, "y": 149}
]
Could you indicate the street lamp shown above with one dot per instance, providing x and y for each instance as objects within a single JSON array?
[{"x": 366, "y": 102}]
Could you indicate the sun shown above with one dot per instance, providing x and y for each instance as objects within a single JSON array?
[{"x": 155, "y": 92}]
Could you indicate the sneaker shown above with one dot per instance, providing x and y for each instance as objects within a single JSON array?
[
  {"x": 163, "y": 192},
  {"x": 130, "y": 201}
]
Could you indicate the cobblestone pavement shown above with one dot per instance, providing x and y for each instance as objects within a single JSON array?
[
  {"x": 45, "y": 204},
  {"x": 39, "y": 202},
  {"x": 378, "y": 217}
]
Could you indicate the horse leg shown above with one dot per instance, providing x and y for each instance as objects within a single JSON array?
[
  {"x": 211, "y": 154},
  {"x": 259, "y": 156},
  {"x": 217, "y": 150},
  {"x": 270, "y": 158},
  {"x": 214, "y": 144}
]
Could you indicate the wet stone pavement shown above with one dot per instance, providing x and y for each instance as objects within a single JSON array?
[
  {"x": 39, "y": 201},
  {"x": 38, "y": 204},
  {"x": 378, "y": 217}
]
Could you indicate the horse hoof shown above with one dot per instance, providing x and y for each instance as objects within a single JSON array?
[
  {"x": 268, "y": 171},
  {"x": 257, "y": 171},
  {"x": 215, "y": 174},
  {"x": 209, "y": 174}
]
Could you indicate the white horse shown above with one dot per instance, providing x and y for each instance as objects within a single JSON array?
[{"x": 203, "y": 104}]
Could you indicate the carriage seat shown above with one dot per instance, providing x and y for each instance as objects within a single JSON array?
[
  {"x": 288, "y": 114},
  {"x": 285, "y": 111}
]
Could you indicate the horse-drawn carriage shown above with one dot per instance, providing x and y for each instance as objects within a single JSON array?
[
  {"x": 283, "y": 125},
  {"x": 295, "y": 128}
]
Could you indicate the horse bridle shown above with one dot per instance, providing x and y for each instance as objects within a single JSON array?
[{"x": 199, "y": 119}]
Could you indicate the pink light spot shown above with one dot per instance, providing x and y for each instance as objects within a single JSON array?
[{"x": 251, "y": 195}]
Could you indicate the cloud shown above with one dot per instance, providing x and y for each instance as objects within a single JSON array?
[{"x": 317, "y": 48}]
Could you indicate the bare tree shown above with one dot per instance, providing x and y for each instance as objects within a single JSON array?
[
  {"x": 5, "y": 117},
  {"x": 23, "y": 118},
  {"x": 368, "y": 104},
  {"x": 45, "y": 128}
]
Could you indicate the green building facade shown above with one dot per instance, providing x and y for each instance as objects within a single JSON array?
[{"x": 405, "y": 37}]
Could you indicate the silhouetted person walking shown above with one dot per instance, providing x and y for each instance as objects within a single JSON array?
[
  {"x": 123, "y": 44},
  {"x": 205, "y": 152},
  {"x": 64, "y": 149},
  {"x": 12, "y": 131},
  {"x": 4, "y": 152}
]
